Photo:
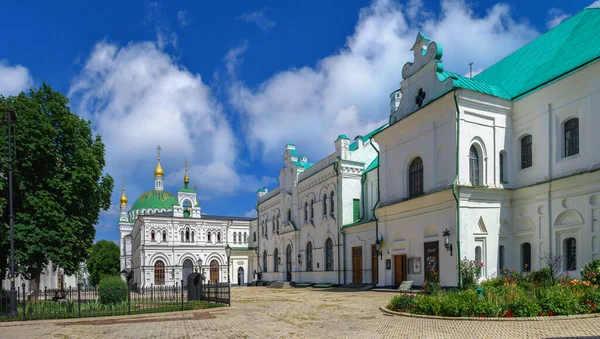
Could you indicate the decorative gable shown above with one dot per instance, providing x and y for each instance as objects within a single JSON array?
[{"x": 424, "y": 80}]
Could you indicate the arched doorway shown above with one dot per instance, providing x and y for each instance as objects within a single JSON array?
[
  {"x": 159, "y": 273},
  {"x": 288, "y": 263},
  {"x": 240, "y": 276},
  {"x": 214, "y": 271},
  {"x": 188, "y": 268}
]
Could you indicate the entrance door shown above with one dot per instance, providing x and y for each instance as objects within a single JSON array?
[
  {"x": 288, "y": 263},
  {"x": 188, "y": 268},
  {"x": 240, "y": 276},
  {"x": 400, "y": 269},
  {"x": 432, "y": 259},
  {"x": 373, "y": 264},
  {"x": 357, "y": 265},
  {"x": 214, "y": 271}
]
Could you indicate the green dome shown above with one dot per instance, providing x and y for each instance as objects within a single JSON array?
[{"x": 155, "y": 200}]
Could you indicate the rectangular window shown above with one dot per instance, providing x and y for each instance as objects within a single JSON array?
[
  {"x": 502, "y": 175},
  {"x": 356, "y": 209},
  {"x": 572, "y": 137},
  {"x": 526, "y": 151}
]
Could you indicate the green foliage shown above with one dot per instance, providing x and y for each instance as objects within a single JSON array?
[
  {"x": 103, "y": 261},
  {"x": 591, "y": 272},
  {"x": 59, "y": 185},
  {"x": 402, "y": 302},
  {"x": 470, "y": 271},
  {"x": 112, "y": 290},
  {"x": 561, "y": 301},
  {"x": 543, "y": 277}
]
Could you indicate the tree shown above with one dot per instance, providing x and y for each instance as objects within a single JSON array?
[
  {"x": 554, "y": 263},
  {"x": 103, "y": 261},
  {"x": 59, "y": 184}
]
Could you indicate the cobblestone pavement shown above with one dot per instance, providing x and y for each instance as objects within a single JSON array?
[{"x": 259, "y": 312}]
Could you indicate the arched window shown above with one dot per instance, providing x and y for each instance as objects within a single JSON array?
[
  {"x": 501, "y": 264},
  {"x": 503, "y": 169},
  {"x": 415, "y": 178},
  {"x": 289, "y": 215},
  {"x": 276, "y": 260},
  {"x": 219, "y": 237},
  {"x": 181, "y": 235},
  {"x": 325, "y": 204},
  {"x": 254, "y": 236},
  {"x": 234, "y": 237},
  {"x": 240, "y": 237},
  {"x": 306, "y": 211},
  {"x": 245, "y": 238},
  {"x": 331, "y": 202},
  {"x": 526, "y": 151},
  {"x": 187, "y": 234},
  {"x": 329, "y": 255},
  {"x": 474, "y": 166},
  {"x": 264, "y": 261},
  {"x": 570, "y": 254},
  {"x": 192, "y": 236},
  {"x": 526, "y": 257},
  {"x": 571, "y": 137},
  {"x": 312, "y": 209},
  {"x": 152, "y": 236},
  {"x": 478, "y": 257},
  {"x": 278, "y": 221},
  {"x": 164, "y": 235},
  {"x": 273, "y": 224},
  {"x": 309, "y": 257},
  {"x": 159, "y": 273}
]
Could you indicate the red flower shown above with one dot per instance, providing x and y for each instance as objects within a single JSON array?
[
  {"x": 508, "y": 314},
  {"x": 540, "y": 314},
  {"x": 482, "y": 316},
  {"x": 549, "y": 313}
]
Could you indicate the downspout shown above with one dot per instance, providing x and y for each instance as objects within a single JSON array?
[
  {"x": 549, "y": 179},
  {"x": 259, "y": 269},
  {"x": 336, "y": 165},
  {"x": 375, "y": 206},
  {"x": 455, "y": 187}
]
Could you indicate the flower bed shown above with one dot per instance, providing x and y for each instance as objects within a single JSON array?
[{"x": 510, "y": 295}]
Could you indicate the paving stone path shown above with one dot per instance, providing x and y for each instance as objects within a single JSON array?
[{"x": 259, "y": 312}]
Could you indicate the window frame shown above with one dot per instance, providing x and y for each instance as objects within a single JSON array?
[
  {"x": 474, "y": 166},
  {"x": 415, "y": 177},
  {"x": 570, "y": 250},
  {"x": 571, "y": 126},
  {"x": 309, "y": 257},
  {"x": 526, "y": 146},
  {"x": 526, "y": 257},
  {"x": 329, "y": 260}
]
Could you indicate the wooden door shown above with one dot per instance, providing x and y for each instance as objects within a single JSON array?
[
  {"x": 400, "y": 269},
  {"x": 214, "y": 271},
  {"x": 432, "y": 259},
  {"x": 373, "y": 264},
  {"x": 357, "y": 265}
]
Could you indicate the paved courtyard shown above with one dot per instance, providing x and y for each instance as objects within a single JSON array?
[{"x": 259, "y": 312}]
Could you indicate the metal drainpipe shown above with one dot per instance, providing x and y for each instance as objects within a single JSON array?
[
  {"x": 549, "y": 179},
  {"x": 375, "y": 206},
  {"x": 454, "y": 188},
  {"x": 336, "y": 165}
]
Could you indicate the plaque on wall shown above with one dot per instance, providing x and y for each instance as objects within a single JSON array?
[
  {"x": 388, "y": 264},
  {"x": 414, "y": 265}
]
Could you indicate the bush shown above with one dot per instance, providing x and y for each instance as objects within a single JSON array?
[
  {"x": 470, "y": 271},
  {"x": 403, "y": 302},
  {"x": 591, "y": 272},
  {"x": 543, "y": 277},
  {"x": 112, "y": 290},
  {"x": 561, "y": 301}
]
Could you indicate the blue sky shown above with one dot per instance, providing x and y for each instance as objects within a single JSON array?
[{"x": 226, "y": 84}]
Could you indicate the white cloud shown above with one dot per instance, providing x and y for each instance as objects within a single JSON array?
[
  {"x": 183, "y": 19},
  {"x": 595, "y": 4},
  {"x": 157, "y": 22},
  {"x": 350, "y": 88},
  {"x": 259, "y": 18},
  {"x": 139, "y": 97},
  {"x": 250, "y": 214},
  {"x": 14, "y": 79},
  {"x": 233, "y": 58},
  {"x": 555, "y": 17}
]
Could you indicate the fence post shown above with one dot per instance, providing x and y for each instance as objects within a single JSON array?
[
  {"x": 182, "y": 294},
  {"x": 79, "y": 300},
  {"x": 24, "y": 303},
  {"x": 128, "y": 298},
  {"x": 70, "y": 293},
  {"x": 152, "y": 292},
  {"x": 45, "y": 296}
]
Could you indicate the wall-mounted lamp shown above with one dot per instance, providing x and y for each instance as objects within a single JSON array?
[
  {"x": 279, "y": 260},
  {"x": 300, "y": 259},
  {"x": 447, "y": 243},
  {"x": 379, "y": 251}
]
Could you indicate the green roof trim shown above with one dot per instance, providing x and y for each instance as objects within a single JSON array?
[
  {"x": 358, "y": 223},
  {"x": 155, "y": 200},
  {"x": 568, "y": 46},
  {"x": 186, "y": 190},
  {"x": 343, "y": 136},
  {"x": 373, "y": 165},
  {"x": 354, "y": 146},
  {"x": 303, "y": 164},
  {"x": 474, "y": 85}
]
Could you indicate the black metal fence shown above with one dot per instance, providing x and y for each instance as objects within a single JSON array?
[{"x": 80, "y": 301}]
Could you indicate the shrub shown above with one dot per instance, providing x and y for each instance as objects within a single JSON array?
[
  {"x": 470, "y": 271},
  {"x": 561, "y": 301},
  {"x": 543, "y": 277},
  {"x": 403, "y": 302},
  {"x": 591, "y": 272},
  {"x": 431, "y": 287},
  {"x": 112, "y": 290},
  {"x": 486, "y": 308}
]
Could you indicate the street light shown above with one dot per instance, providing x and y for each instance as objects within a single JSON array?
[
  {"x": 11, "y": 215},
  {"x": 447, "y": 243},
  {"x": 228, "y": 254}
]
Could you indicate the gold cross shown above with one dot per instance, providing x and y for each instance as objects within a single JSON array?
[
  {"x": 186, "y": 165},
  {"x": 158, "y": 149},
  {"x": 123, "y": 189}
]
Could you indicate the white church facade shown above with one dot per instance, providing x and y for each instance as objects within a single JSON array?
[
  {"x": 498, "y": 168},
  {"x": 165, "y": 237}
]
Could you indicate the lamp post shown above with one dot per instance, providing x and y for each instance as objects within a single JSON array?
[
  {"x": 228, "y": 254},
  {"x": 447, "y": 243},
  {"x": 11, "y": 215}
]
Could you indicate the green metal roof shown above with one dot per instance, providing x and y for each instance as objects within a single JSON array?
[
  {"x": 373, "y": 165},
  {"x": 155, "y": 200},
  {"x": 343, "y": 136},
  {"x": 303, "y": 164},
  {"x": 474, "y": 85},
  {"x": 186, "y": 190},
  {"x": 568, "y": 46},
  {"x": 354, "y": 145}
]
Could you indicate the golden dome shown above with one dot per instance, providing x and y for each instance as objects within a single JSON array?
[
  {"x": 123, "y": 197},
  {"x": 158, "y": 171}
]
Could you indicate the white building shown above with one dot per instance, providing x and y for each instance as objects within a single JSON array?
[
  {"x": 504, "y": 161},
  {"x": 163, "y": 237}
]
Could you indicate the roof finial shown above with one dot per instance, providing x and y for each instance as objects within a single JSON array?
[
  {"x": 471, "y": 69},
  {"x": 123, "y": 199},
  {"x": 158, "y": 149},
  {"x": 158, "y": 171},
  {"x": 186, "y": 179}
]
